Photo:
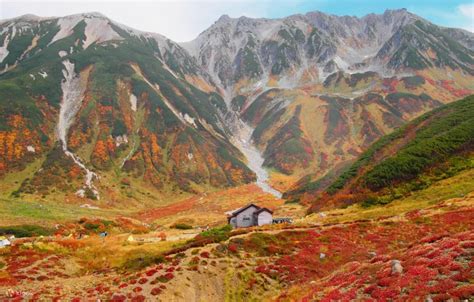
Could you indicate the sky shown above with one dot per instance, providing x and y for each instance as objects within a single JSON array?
[{"x": 183, "y": 20}]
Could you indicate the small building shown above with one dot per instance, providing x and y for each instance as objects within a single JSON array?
[{"x": 250, "y": 215}]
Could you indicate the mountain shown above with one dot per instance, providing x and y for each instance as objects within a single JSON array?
[
  {"x": 319, "y": 89},
  {"x": 92, "y": 107},
  {"x": 310, "y": 47},
  {"x": 83, "y": 97},
  {"x": 431, "y": 148}
]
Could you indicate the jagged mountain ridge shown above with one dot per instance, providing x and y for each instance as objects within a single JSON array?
[{"x": 312, "y": 45}]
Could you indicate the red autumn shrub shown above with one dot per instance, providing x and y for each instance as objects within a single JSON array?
[
  {"x": 117, "y": 298},
  {"x": 169, "y": 276},
  {"x": 433, "y": 238},
  {"x": 170, "y": 269},
  {"x": 261, "y": 269},
  {"x": 440, "y": 261},
  {"x": 273, "y": 249},
  {"x": 42, "y": 278},
  {"x": 413, "y": 214},
  {"x": 334, "y": 295},
  {"x": 461, "y": 276},
  {"x": 384, "y": 282},
  {"x": 194, "y": 261},
  {"x": 151, "y": 272},
  {"x": 463, "y": 292},
  {"x": 155, "y": 291},
  {"x": 369, "y": 289},
  {"x": 442, "y": 286},
  {"x": 205, "y": 254},
  {"x": 468, "y": 245},
  {"x": 233, "y": 248},
  {"x": 176, "y": 262},
  {"x": 383, "y": 294},
  {"x": 139, "y": 298}
]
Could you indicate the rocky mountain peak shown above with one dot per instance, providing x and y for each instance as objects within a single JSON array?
[
  {"x": 315, "y": 44},
  {"x": 223, "y": 19}
]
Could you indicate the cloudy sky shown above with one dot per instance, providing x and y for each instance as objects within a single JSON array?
[{"x": 183, "y": 20}]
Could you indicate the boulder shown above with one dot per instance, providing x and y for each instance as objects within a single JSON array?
[{"x": 397, "y": 267}]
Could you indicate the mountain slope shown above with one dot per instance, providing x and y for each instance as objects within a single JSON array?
[
  {"x": 101, "y": 104},
  {"x": 433, "y": 147},
  {"x": 94, "y": 99},
  {"x": 342, "y": 81}
]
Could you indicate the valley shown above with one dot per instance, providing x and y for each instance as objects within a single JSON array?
[
  {"x": 121, "y": 151},
  {"x": 426, "y": 232}
]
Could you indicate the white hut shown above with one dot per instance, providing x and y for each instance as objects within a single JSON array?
[{"x": 250, "y": 215}]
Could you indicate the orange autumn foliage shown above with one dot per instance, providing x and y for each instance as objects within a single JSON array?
[
  {"x": 77, "y": 139},
  {"x": 155, "y": 148},
  {"x": 16, "y": 121},
  {"x": 104, "y": 109},
  {"x": 100, "y": 151},
  {"x": 110, "y": 144},
  {"x": 75, "y": 171},
  {"x": 211, "y": 161},
  {"x": 13, "y": 143}
]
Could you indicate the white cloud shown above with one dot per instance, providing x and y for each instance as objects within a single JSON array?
[
  {"x": 467, "y": 13},
  {"x": 179, "y": 20},
  {"x": 467, "y": 9}
]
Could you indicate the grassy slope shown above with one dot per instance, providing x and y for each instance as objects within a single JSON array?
[
  {"x": 435, "y": 146},
  {"x": 456, "y": 187}
]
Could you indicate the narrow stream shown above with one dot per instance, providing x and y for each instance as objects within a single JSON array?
[
  {"x": 73, "y": 94},
  {"x": 243, "y": 141}
]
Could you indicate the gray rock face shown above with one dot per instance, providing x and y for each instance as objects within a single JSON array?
[{"x": 320, "y": 44}]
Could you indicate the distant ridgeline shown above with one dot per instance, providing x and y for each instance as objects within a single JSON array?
[{"x": 435, "y": 146}]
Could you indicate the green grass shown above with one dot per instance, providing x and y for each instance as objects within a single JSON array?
[
  {"x": 451, "y": 129},
  {"x": 182, "y": 226},
  {"x": 26, "y": 231},
  {"x": 434, "y": 143},
  {"x": 16, "y": 211},
  {"x": 217, "y": 234},
  {"x": 12, "y": 181}
]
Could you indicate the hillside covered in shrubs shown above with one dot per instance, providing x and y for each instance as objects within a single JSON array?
[{"x": 435, "y": 146}]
